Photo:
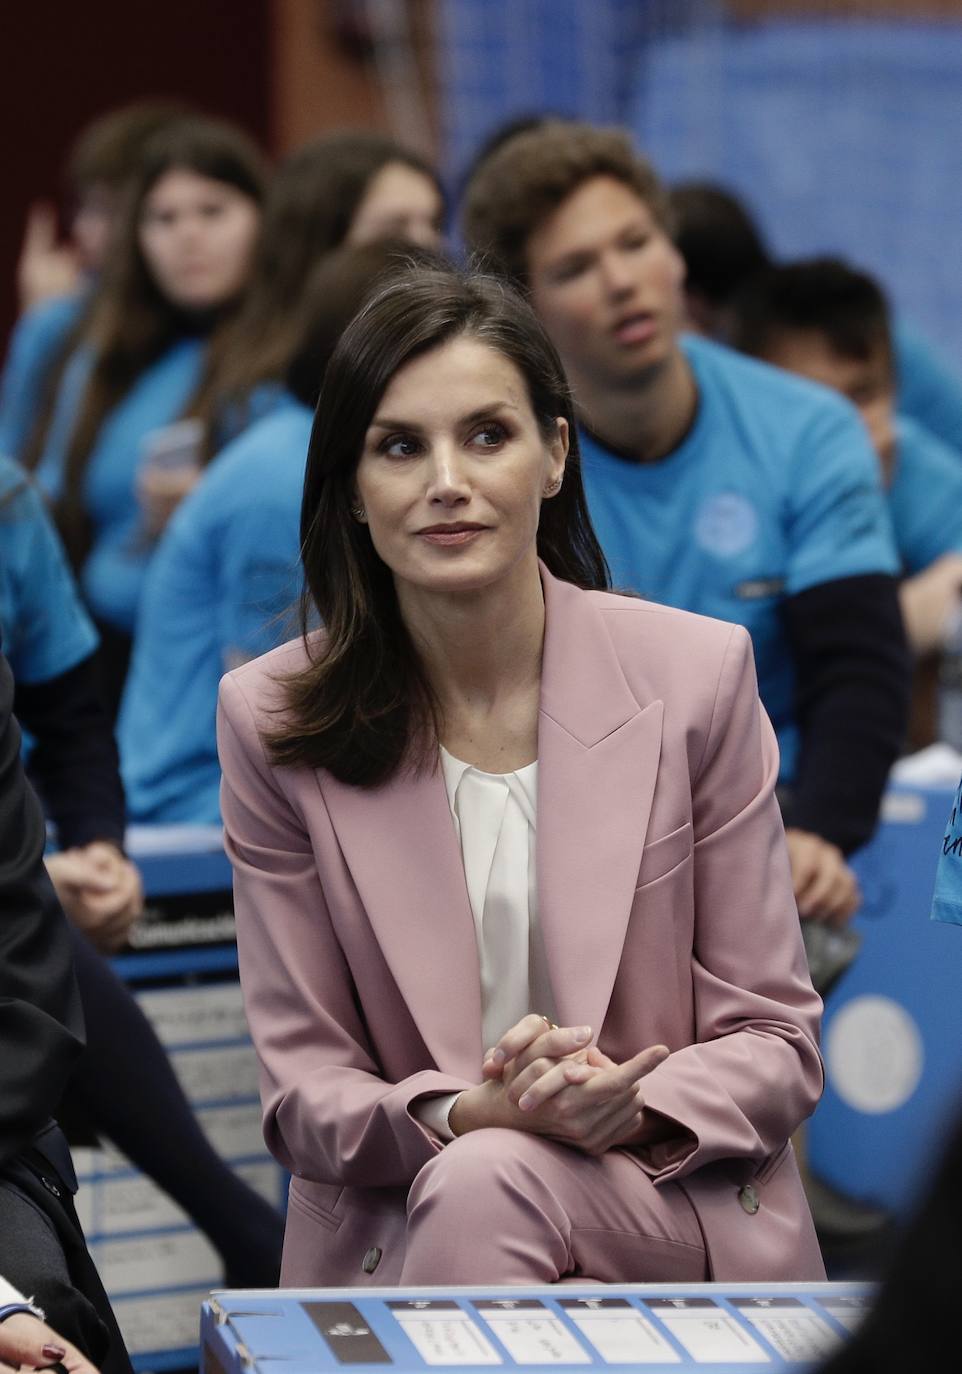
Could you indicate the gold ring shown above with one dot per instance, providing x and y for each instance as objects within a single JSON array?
[{"x": 550, "y": 1024}]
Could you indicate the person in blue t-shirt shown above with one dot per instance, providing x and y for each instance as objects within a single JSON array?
[
  {"x": 723, "y": 247},
  {"x": 224, "y": 582},
  {"x": 56, "y": 281},
  {"x": 180, "y": 261},
  {"x": 716, "y": 483},
  {"x": 49, "y": 642},
  {"x": 828, "y": 322}
]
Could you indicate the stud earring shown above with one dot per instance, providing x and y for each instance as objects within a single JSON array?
[
  {"x": 553, "y": 487},
  {"x": 358, "y": 512}
]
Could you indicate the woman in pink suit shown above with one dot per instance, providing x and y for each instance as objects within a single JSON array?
[{"x": 489, "y": 797}]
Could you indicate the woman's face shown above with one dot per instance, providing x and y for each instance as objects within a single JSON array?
[
  {"x": 197, "y": 236},
  {"x": 453, "y": 471},
  {"x": 399, "y": 203}
]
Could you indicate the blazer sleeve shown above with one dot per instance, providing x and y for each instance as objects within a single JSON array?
[
  {"x": 329, "y": 1115},
  {"x": 754, "y": 1070}
]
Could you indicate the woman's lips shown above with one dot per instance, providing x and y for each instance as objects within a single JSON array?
[
  {"x": 451, "y": 537},
  {"x": 635, "y": 330}
]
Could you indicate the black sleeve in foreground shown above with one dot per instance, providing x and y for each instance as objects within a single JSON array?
[
  {"x": 853, "y": 681},
  {"x": 73, "y": 763},
  {"x": 41, "y": 1023}
]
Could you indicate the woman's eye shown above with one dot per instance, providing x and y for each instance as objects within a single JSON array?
[
  {"x": 571, "y": 270},
  {"x": 212, "y": 211},
  {"x": 489, "y": 436},
  {"x": 400, "y": 446},
  {"x": 636, "y": 242}
]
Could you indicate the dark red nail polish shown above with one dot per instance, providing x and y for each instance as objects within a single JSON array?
[{"x": 53, "y": 1352}]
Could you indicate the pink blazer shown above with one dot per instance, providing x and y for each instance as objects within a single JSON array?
[{"x": 667, "y": 910}]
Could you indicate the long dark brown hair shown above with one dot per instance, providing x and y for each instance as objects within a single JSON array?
[
  {"x": 131, "y": 323},
  {"x": 313, "y": 198},
  {"x": 363, "y": 706}
]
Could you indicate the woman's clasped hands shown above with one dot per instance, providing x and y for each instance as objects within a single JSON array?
[{"x": 551, "y": 1081}]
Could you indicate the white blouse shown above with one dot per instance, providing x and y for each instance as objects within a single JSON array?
[{"x": 495, "y": 818}]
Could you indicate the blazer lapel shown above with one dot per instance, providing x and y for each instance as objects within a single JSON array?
[
  {"x": 400, "y": 844},
  {"x": 598, "y": 754}
]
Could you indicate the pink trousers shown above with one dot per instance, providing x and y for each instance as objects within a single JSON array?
[{"x": 501, "y": 1206}]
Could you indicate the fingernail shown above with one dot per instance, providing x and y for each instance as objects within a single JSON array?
[
  {"x": 498, "y": 1056},
  {"x": 582, "y": 1034},
  {"x": 53, "y": 1352},
  {"x": 524, "y": 1102}
]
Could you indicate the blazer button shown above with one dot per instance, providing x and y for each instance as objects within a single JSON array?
[
  {"x": 371, "y": 1260},
  {"x": 748, "y": 1197}
]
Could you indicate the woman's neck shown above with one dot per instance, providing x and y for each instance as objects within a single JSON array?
[{"x": 482, "y": 656}]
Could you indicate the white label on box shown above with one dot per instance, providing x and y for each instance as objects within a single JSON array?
[
  {"x": 151, "y": 1263},
  {"x": 530, "y": 1332},
  {"x": 709, "y": 1333},
  {"x": 185, "y": 1016},
  {"x": 797, "y": 1333},
  {"x": 161, "y": 1322},
  {"x": 225, "y": 1074},
  {"x": 443, "y": 1333},
  {"x": 619, "y": 1332}
]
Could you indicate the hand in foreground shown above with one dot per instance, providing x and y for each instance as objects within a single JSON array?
[
  {"x": 100, "y": 890},
  {"x": 826, "y": 889},
  {"x": 548, "y": 1082},
  {"x": 28, "y": 1343}
]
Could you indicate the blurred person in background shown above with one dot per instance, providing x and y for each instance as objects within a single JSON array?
[
  {"x": 123, "y": 1086},
  {"x": 723, "y": 246},
  {"x": 56, "y": 281},
  {"x": 826, "y": 321},
  {"x": 350, "y": 187},
  {"x": 227, "y": 571},
  {"x": 181, "y": 262}
]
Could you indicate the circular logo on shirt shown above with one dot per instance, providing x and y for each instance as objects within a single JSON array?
[
  {"x": 874, "y": 1054},
  {"x": 726, "y": 524}
]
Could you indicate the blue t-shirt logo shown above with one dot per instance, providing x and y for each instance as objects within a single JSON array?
[{"x": 726, "y": 525}]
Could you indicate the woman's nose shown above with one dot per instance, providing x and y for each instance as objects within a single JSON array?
[{"x": 448, "y": 478}]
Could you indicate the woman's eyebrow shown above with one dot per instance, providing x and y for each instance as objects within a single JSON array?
[{"x": 413, "y": 427}]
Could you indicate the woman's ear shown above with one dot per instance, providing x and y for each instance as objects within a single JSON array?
[{"x": 557, "y": 454}]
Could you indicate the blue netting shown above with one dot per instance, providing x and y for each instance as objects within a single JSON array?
[{"x": 843, "y": 135}]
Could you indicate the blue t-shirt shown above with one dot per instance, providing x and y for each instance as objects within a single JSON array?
[
  {"x": 45, "y": 629},
  {"x": 113, "y": 572},
  {"x": 947, "y": 901},
  {"x": 929, "y": 391},
  {"x": 924, "y": 497},
  {"x": 35, "y": 344},
  {"x": 220, "y": 590},
  {"x": 775, "y": 489}
]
